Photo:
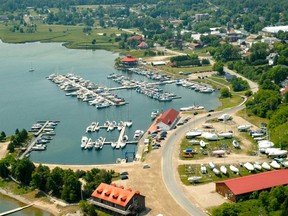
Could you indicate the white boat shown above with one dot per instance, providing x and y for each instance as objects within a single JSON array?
[
  {"x": 216, "y": 171},
  {"x": 266, "y": 166},
  {"x": 90, "y": 144},
  {"x": 193, "y": 133},
  {"x": 226, "y": 134},
  {"x": 138, "y": 134},
  {"x": 257, "y": 166},
  {"x": 218, "y": 153},
  {"x": 120, "y": 125},
  {"x": 211, "y": 165},
  {"x": 122, "y": 144},
  {"x": 223, "y": 169},
  {"x": 236, "y": 144},
  {"x": 277, "y": 153},
  {"x": 194, "y": 142},
  {"x": 113, "y": 144},
  {"x": 129, "y": 123},
  {"x": 111, "y": 126},
  {"x": 275, "y": 165},
  {"x": 96, "y": 126},
  {"x": 203, "y": 144},
  {"x": 125, "y": 138},
  {"x": 234, "y": 169},
  {"x": 257, "y": 134},
  {"x": 225, "y": 117},
  {"x": 155, "y": 113},
  {"x": 243, "y": 127},
  {"x": 193, "y": 179},
  {"x": 263, "y": 144},
  {"x": 249, "y": 166},
  {"x": 210, "y": 136},
  {"x": 84, "y": 141},
  {"x": 285, "y": 164},
  {"x": 203, "y": 169},
  {"x": 39, "y": 147},
  {"x": 207, "y": 125},
  {"x": 89, "y": 129},
  {"x": 103, "y": 105}
]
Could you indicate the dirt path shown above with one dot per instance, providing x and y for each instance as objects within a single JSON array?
[{"x": 3, "y": 149}]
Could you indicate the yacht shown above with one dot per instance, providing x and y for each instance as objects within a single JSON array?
[
  {"x": 129, "y": 123},
  {"x": 257, "y": 166},
  {"x": 113, "y": 144},
  {"x": 155, "y": 113},
  {"x": 266, "y": 166},
  {"x": 120, "y": 125},
  {"x": 84, "y": 141},
  {"x": 249, "y": 166},
  {"x": 223, "y": 169},
  {"x": 236, "y": 144},
  {"x": 203, "y": 169},
  {"x": 138, "y": 134},
  {"x": 39, "y": 147},
  {"x": 89, "y": 144},
  {"x": 103, "y": 105},
  {"x": 234, "y": 169}
]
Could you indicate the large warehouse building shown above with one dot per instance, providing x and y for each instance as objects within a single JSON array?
[
  {"x": 242, "y": 187},
  {"x": 274, "y": 29}
]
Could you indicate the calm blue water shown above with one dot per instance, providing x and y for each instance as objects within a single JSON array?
[{"x": 28, "y": 96}]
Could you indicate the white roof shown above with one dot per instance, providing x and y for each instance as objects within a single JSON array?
[{"x": 275, "y": 29}]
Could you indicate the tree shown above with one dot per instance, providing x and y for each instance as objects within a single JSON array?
[
  {"x": 87, "y": 208},
  {"x": 4, "y": 171},
  {"x": 218, "y": 66},
  {"x": 23, "y": 171},
  {"x": 225, "y": 93},
  {"x": 93, "y": 42},
  {"x": 40, "y": 177},
  {"x": 55, "y": 181}
]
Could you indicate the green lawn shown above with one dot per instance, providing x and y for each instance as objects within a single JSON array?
[{"x": 252, "y": 118}]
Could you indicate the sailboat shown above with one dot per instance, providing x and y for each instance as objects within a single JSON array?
[{"x": 31, "y": 68}]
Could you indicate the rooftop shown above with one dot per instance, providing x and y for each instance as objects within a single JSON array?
[{"x": 257, "y": 182}]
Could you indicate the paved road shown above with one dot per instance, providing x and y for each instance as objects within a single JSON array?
[{"x": 168, "y": 167}]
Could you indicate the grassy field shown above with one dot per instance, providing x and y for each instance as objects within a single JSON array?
[
  {"x": 174, "y": 70},
  {"x": 230, "y": 102},
  {"x": 252, "y": 118}
]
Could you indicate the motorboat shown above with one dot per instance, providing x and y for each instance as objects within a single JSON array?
[
  {"x": 225, "y": 117},
  {"x": 107, "y": 123},
  {"x": 193, "y": 133},
  {"x": 125, "y": 138},
  {"x": 120, "y": 125},
  {"x": 203, "y": 144},
  {"x": 236, "y": 144},
  {"x": 155, "y": 113},
  {"x": 138, "y": 134},
  {"x": 111, "y": 126},
  {"x": 207, "y": 125},
  {"x": 211, "y": 165},
  {"x": 216, "y": 171},
  {"x": 96, "y": 126},
  {"x": 277, "y": 153},
  {"x": 210, "y": 136},
  {"x": 89, "y": 129},
  {"x": 103, "y": 105},
  {"x": 129, "y": 123},
  {"x": 266, "y": 166},
  {"x": 249, "y": 166},
  {"x": 226, "y": 134},
  {"x": 113, "y": 144},
  {"x": 84, "y": 141},
  {"x": 263, "y": 144},
  {"x": 122, "y": 144},
  {"x": 193, "y": 179},
  {"x": 194, "y": 142},
  {"x": 218, "y": 153},
  {"x": 203, "y": 169},
  {"x": 234, "y": 169},
  {"x": 89, "y": 144},
  {"x": 243, "y": 127},
  {"x": 257, "y": 166},
  {"x": 223, "y": 169},
  {"x": 39, "y": 147},
  {"x": 275, "y": 165}
]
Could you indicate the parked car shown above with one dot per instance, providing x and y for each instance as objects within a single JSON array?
[
  {"x": 124, "y": 177},
  {"x": 209, "y": 115},
  {"x": 180, "y": 123},
  {"x": 211, "y": 110},
  {"x": 124, "y": 173},
  {"x": 195, "y": 113},
  {"x": 146, "y": 166}
]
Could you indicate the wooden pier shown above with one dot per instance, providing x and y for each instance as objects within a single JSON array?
[{"x": 120, "y": 139}]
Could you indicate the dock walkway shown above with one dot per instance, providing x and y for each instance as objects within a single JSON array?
[
  {"x": 120, "y": 139},
  {"x": 15, "y": 210}
]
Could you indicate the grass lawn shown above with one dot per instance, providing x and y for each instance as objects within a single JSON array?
[
  {"x": 252, "y": 118},
  {"x": 176, "y": 71},
  {"x": 230, "y": 102}
]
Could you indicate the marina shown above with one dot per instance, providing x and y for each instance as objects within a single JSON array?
[{"x": 33, "y": 97}]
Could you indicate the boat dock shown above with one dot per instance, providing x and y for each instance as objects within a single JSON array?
[
  {"x": 37, "y": 135},
  {"x": 120, "y": 139},
  {"x": 15, "y": 210}
]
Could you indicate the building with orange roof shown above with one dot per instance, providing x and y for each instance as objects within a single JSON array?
[
  {"x": 117, "y": 200},
  {"x": 135, "y": 37},
  {"x": 129, "y": 61},
  {"x": 166, "y": 121}
]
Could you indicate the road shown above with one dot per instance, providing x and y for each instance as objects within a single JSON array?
[{"x": 169, "y": 170}]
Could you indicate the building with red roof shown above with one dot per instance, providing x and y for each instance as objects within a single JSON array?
[
  {"x": 165, "y": 121},
  {"x": 242, "y": 187},
  {"x": 129, "y": 61},
  {"x": 143, "y": 45},
  {"x": 135, "y": 37},
  {"x": 117, "y": 200}
]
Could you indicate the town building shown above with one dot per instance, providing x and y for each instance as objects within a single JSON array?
[
  {"x": 274, "y": 29},
  {"x": 135, "y": 37},
  {"x": 129, "y": 61},
  {"x": 241, "y": 188},
  {"x": 117, "y": 200},
  {"x": 201, "y": 17},
  {"x": 143, "y": 45},
  {"x": 165, "y": 121}
]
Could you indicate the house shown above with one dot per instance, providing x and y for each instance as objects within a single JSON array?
[
  {"x": 158, "y": 63},
  {"x": 135, "y": 37},
  {"x": 143, "y": 45},
  {"x": 165, "y": 121},
  {"x": 117, "y": 200},
  {"x": 271, "y": 58},
  {"x": 241, "y": 188},
  {"x": 195, "y": 46},
  {"x": 201, "y": 17},
  {"x": 129, "y": 61}
]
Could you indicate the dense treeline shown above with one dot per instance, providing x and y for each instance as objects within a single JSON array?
[
  {"x": 64, "y": 184},
  {"x": 273, "y": 202},
  {"x": 18, "y": 140}
]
